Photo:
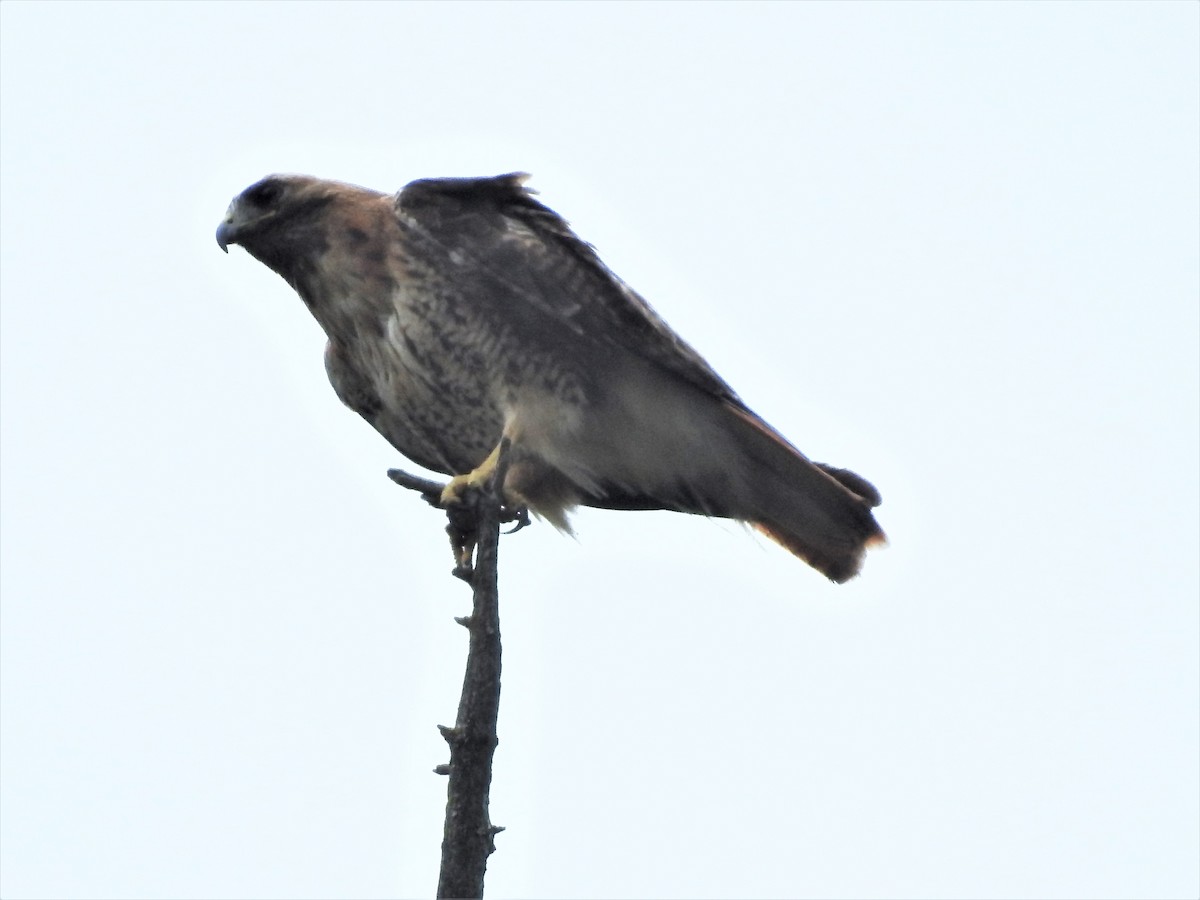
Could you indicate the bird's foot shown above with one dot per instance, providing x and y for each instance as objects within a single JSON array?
[
  {"x": 461, "y": 499},
  {"x": 456, "y": 489},
  {"x": 463, "y": 528}
]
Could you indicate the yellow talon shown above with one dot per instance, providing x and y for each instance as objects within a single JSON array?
[{"x": 476, "y": 478}]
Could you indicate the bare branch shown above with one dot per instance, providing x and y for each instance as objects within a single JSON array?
[
  {"x": 430, "y": 491},
  {"x": 468, "y": 836}
]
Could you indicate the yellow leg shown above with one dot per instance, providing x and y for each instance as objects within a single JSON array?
[{"x": 476, "y": 478}]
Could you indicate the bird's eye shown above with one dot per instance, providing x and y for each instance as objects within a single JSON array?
[{"x": 264, "y": 193}]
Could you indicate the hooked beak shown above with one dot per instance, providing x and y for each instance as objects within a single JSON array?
[
  {"x": 227, "y": 231},
  {"x": 226, "y": 234},
  {"x": 239, "y": 223}
]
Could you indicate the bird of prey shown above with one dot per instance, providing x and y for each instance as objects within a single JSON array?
[{"x": 460, "y": 311}]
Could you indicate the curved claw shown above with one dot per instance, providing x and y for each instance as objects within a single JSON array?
[{"x": 520, "y": 515}]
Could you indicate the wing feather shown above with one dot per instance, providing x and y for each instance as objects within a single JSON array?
[{"x": 530, "y": 257}]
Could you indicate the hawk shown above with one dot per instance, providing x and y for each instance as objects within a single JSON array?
[{"x": 460, "y": 311}]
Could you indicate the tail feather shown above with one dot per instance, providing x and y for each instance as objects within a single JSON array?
[
  {"x": 820, "y": 513},
  {"x": 712, "y": 458}
]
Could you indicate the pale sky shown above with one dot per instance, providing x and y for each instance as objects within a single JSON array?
[{"x": 952, "y": 246}]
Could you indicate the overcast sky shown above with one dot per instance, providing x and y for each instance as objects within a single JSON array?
[{"x": 953, "y": 246}]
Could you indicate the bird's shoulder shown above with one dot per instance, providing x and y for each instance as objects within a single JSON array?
[{"x": 501, "y": 237}]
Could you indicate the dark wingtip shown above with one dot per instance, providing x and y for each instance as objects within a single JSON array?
[{"x": 853, "y": 482}]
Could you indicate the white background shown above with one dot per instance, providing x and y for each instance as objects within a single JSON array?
[{"x": 951, "y": 246}]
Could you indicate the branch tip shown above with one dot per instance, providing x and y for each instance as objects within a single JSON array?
[{"x": 430, "y": 491}]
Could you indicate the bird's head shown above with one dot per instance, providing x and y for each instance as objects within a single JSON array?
[
  {"x": 284, "y": 221},
  {"x": 250, "y": 211},
  {"x": 274, "y": 216}
]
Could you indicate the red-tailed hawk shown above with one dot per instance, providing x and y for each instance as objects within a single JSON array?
[{"x": 461, "y": 310}]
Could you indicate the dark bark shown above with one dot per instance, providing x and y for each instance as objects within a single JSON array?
[{"x": 467, "y": 839}]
